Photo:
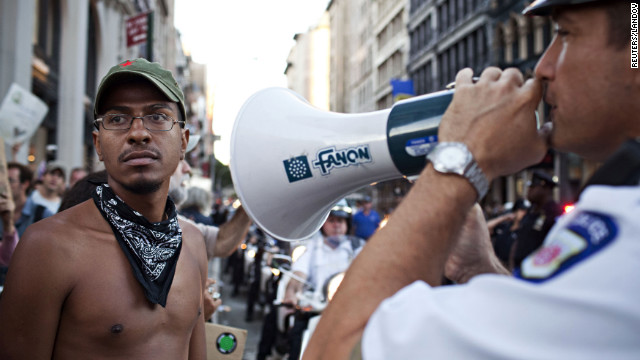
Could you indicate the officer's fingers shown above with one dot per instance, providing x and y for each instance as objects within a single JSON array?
[
  {"x": 490, "y": 74},
  {"x": 512, "y": 75},
  {"x": 464, "y": 77},
  {"x": 534, "y": 87}
]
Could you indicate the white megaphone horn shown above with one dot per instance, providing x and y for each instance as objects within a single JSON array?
[{"x": 291, "y": 162}]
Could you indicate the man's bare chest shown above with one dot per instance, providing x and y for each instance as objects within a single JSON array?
[{"x": 107, "y": 305}]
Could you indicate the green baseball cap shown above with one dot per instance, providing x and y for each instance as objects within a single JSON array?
[{"x": 152, "y": 71}]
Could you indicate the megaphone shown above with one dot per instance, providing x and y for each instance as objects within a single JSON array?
[{"x": 290, "y": 162}]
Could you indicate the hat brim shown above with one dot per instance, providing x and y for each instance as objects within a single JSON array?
[
  {"x": 545, "y": 7},
  {"x": 123, "y": 74}
]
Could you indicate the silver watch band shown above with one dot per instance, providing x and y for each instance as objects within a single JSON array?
[{"x": 477, "y": 178}]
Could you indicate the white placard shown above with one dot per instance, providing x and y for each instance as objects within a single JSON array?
[{"x": 21, "y": 113}]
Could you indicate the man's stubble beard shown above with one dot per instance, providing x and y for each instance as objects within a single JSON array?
[{"x": 143, "y": 187}]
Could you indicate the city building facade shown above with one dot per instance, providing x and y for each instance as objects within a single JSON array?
[
  {"x": 59, "y": 50},
  {"x": 307, "y": 69}
]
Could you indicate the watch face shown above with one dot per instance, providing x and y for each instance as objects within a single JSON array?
[
  {"x": 453, "y": 157},
  {"x": 450, "y": 158}
]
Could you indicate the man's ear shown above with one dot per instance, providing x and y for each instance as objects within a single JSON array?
[
  {"x": 96, "y": 143},
  {"x": 185, "y": 143}
]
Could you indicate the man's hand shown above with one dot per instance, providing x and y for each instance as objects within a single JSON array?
[
  {"x": 232, "y": 233},
  {"x": 473, "y": 254},
  {"x": 7, "y": 208},
  {"x": 495, "y": 118},
  {"x": 211, "y": 299}
]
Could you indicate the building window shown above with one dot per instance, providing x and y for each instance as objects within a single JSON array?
[
  {"x": 444, "y": 21},
  {"x": 470, "y": 51}
]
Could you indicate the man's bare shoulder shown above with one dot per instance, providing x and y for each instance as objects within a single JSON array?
[
  {"x": 55, "y": 248},
  {"x": 64, "y": 229},
  {"x": 189, "y": 230},
  {"x": 84, "y": 216},
  {"x": 192, "y": 237}
]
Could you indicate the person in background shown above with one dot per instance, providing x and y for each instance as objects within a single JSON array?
[
  {"x": 48, "y": 192},
  {"x": 219, "y": 213},
  {"x": 536, "y": 223},
  {"x": 77, "y": 173},
  {"x": 9, "y": 233},
  {"x": 576, "y": 297},
  {"x": 197, "y": 202},
  {"x": 27, "y": 211},
  {"x": 328, "y": 253},
  {"x": 123, "y": 277},
  {"x": 83, "y": 189},
  {"x": 222, "y": 241},
  {"x": 502, "y": 230},
  {"x": 219, "y": 242},
  {"x": 21, "y": 214},
  {"x": 366, "y": 221}
]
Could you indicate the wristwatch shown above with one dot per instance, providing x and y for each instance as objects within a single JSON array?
[{"x": 455, "y": 158}]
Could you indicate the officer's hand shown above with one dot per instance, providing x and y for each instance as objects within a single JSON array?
[
  {"x": 495, "y": 118},
  {"x": 473, "y": 253}
]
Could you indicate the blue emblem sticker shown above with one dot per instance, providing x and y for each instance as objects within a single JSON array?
[
  {"x": 588, "y": 233},
  {"x": 420, "y": 146},
  {"x": 297, "y": 168}
]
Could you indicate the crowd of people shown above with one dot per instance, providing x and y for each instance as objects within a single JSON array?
[{"x": 115, "y": 266}]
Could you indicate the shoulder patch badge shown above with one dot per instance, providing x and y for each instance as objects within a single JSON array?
[{"x": 585, "y": 235}]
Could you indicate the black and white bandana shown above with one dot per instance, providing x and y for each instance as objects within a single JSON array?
[{"x": 152, "y": 248}]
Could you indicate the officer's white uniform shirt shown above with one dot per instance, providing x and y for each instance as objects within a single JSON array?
[
  {"x": 320, "y": 261},
  {"x": 581, "y": 299}
]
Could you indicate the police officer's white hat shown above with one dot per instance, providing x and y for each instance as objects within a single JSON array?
[{"x": 544, "y": 7}]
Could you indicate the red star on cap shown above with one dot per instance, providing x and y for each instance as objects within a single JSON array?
[{"x": 127, "y": 63}]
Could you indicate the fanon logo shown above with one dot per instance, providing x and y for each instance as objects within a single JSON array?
[{"x": 331, "y": 158}]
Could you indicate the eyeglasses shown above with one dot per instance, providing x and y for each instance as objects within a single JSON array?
[{"x": 152, "y": 122}]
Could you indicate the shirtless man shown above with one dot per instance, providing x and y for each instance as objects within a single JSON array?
[{"x": 83, "y": 287}]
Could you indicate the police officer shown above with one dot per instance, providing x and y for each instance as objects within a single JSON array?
[
  {"x": 575, "y": 297},
  {"x": 538, "y": 220},
  {"x": 328, "y": 253}
]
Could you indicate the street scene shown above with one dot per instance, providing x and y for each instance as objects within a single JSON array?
[
  {"x": 233, "y": 313},
  {"x": 321, "y": 179}
]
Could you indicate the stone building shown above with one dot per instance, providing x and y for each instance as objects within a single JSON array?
[{"x": 60, "y": 49}]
